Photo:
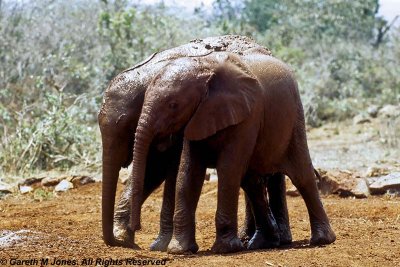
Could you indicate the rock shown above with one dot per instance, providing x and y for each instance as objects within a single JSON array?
[
  {"x": 211, "y": 174},
  {"x": 213, "y": 177},
  {"x": 25, "y": 189},
  {"x": 63, "y": 186},
  {"x": 361, "y": 119},
  {"x": 389, "y": 111},
  {"x": 5, "y": 189},
  {"x": 327, "y": 184},
  {"x": 81, "y": 180},
  {"x": 383, "y": 184},
  {"x": 51, "y": 181},
  {"x": 373, "y": 111},
  {"x": 123, "y": 179},
  {"x": 361, "y": 190},
  {"x": 375, "y": 171},
  {"x": 124, "y": 174},
  {"x": 76, "y": 180},
  {"x": 292, "y": 191},
  {"x": 343, "y": 183},
  {"x": 33, "y": 181}
]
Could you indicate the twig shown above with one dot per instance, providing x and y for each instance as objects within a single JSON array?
[{"x": 382, "y": 31}]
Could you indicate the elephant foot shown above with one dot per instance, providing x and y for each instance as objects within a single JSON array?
[
  {"x": 322, "y": 235},
  {"x": 227, "y": 245},
  {"x": 124, "y": 237},
  {"x": 261, "y": 240},
  {"x": 161, "y": 242},
  {"x": 245, "y": 234},
  {"x": 177, "y": 247},
  {"x": 285, "y": 235}
]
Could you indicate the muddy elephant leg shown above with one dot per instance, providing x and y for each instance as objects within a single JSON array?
[
  {"x": 277, "y": 201},
  {"x": 160, "y": 166},
  {"x": 266, "y": 229},
  {"x": 248, "y": 229},
  {"x": 122, "y": 214},
  {"x": 189, "y": 183}
]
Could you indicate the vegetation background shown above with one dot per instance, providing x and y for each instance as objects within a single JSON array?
[{"x": 57, "y": 57}]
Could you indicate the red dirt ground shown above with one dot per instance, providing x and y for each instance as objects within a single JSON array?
[{"x": 68, "y": 226}]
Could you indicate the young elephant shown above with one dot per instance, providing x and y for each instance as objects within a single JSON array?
[
  {"x": 246, "y": 111},
  {"x": 118, "y": 119}
]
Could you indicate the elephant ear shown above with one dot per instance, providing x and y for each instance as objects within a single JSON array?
[{"x": 231, "y": 96}]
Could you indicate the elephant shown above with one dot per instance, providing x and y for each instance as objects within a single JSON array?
[
  {"x": 245, "y": 111},
  {"x": 275, "y": 184},
  {"x": 118, "y": 119}
]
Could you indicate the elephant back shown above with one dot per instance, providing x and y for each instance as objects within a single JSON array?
[
  {"x": 134, "y": 80},
  {"x": 200, "y": 47}
]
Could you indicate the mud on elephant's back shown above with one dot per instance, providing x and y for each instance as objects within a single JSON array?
[{"x": 202, "y": 47}]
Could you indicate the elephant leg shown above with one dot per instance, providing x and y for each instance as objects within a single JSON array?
[
  {"x": 301, "y": 172},
  {"x": 160, "y": 166},
  {"x": 122, "y": 214},
  {"x": 230, "y": 171},
  {"x": 166, "y": 216},
  {"x": 189, "y": 183},
  {"x": 248, "y": 229},
  {"x": 172, "y": 160},
  {"x": 321, "y": 231},
  {"x": 277, "y": 201},
  {"x": 267, "y": 233}
]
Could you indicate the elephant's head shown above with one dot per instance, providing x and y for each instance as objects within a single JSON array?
[{"x": 196, "y": 95}]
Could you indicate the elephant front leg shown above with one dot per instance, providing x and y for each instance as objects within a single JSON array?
[
  {"x": 122, "y": 231},
  {"x": 229, "y": 177},
  {"x": 277, "y": 202},
  {"x": 190, "y": 180},
  {"x": 166, "y": 216}
]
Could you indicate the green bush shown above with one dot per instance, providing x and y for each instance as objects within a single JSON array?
[
  {"x": 52, "y": 135},
  {"x": 57, "y": 58}
]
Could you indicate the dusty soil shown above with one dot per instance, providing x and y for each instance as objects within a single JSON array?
[{"x": 67, "y": 226}]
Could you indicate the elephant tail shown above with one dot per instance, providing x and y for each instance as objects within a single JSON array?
[{"x": 318, "y": 175}]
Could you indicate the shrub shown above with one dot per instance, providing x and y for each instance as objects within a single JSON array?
[{"x": 52, "y": 134}]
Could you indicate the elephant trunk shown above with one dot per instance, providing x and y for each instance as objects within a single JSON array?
[
  {"x": 143, "y": 139},
  {"x": 109, "y": 185}
]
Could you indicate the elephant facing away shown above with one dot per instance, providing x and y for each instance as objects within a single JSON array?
[
  {"x": 118, "y": 120},
  {"x": 246, "y": 111}
]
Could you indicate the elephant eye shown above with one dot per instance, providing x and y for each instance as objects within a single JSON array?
[{"x": 173, "y": 105}]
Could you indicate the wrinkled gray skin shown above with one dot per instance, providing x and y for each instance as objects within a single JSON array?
[
  {"x": 118, "y": 120},
  {"x": 238, "y": 113}
]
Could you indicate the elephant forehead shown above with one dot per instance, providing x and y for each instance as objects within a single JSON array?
[{"x": 179, "y": 72}]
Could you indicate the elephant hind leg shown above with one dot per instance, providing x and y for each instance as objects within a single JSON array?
[
  {"x": 248, "y": 229},
  {"x": 266, "y": 229},
  {"x": 301, "y": 172},
  {"x": 278, "y": 205},
  {"x": 277, "y": 201}
]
